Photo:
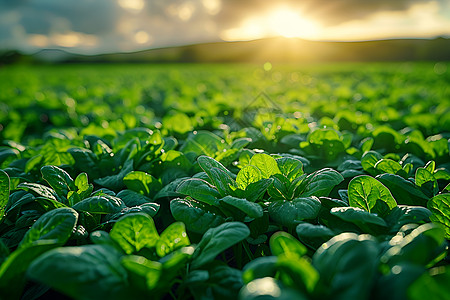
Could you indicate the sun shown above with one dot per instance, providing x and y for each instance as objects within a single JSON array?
[
  {"x": 281, "y": 21},
  {"x": 288, "y": 23}
]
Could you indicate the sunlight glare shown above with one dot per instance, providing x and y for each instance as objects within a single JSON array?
[
  {"x": 279, "y": 22},
  {"x": 288, "y": 23}
]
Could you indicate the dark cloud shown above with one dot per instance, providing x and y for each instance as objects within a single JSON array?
[{"x": 46, "y": 16}]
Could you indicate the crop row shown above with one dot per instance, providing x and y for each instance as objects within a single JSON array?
[{"x": 277, "y": 199}]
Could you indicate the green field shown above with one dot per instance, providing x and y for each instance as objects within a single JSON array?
[{"x": 225, "y": 181}]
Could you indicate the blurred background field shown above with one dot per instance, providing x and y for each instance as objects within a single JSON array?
[{"x": 101, "y": 99}]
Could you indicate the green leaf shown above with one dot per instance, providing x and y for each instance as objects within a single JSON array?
[
  {"x": 266, "y": 164},
  {"x": 404, "y": 191},
  {"x": 397, "y": 279},
  {"x": 4, "y": 192},
  {"x": 251, "y": 209},
  {"x": 254, "y": 191},
  {"x": 347, "y": 265},
  {"x": 440, "y": 207},
  {"x": 202, "y": 142},
  {"x": 423, "y": 176},
  {"x": 197, "y": 217},
  {"x": 290, "y": 167},
  {"x": 172, "y": 238},
  {"x": 358, "y": 216},
  {"x": 88, "y": 272},
  {"x": 144, "y": 273},
  {"x": 12, "y": 271},
  {"x": 268, "y": 288},
  {"x": 390, "y": 166},
  {"x": 38, "y": 189},
  {"x": 219, "y": 282},
  {"x": 199, "y": 190},
  {"x": 131, "y": 198},
  {"x": 425, "y": 179},
  {"x": 58, "y": 179},
  {"x": 247, "y": 175},
  {"x": 216, "y": 240},
  {"x": 371, "y": 195},
  {"x": 150, "y": 209},
  {"x": 369, "y": 160},
  {"x": 115, "y": 181},
  {"x": 430, "y": 166},
  {"x": 425, "y": 245},
  {"x": 432, "y": 285},
  {"x": 313, "y": 235},
  {"x": 319, "y": 183},
  {"x": 142, "y": 183},
  {"x": 224, "y": 282},
  {"x": 84, "y": 189},
  {"x": 101, "y": 204},
  {"x": 403, "y": 214},
  {"x": 281, "y": 189},
  {"x": 56, "y": 225},
  {"x": 222, "y": 181},
  {"x": 174, "y": 262},
  {"x": 441, "y": 174},
  {"x": 260, "y": 267},
  {"x": 289, "y": 213},
  {"x": 207, "y": 163},
  {"x": 297, "y": 272},
  {"x": 134, "y": 232},
  {"x": 283, "y": 243},
  {"x": 101, "y": 237}
]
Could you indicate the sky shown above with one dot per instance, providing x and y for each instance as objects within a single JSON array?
[{"x": 104, "y": 26}]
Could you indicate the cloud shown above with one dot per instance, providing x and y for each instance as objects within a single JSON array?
[
  {"x": 127, "y": 25},
  {"x": 325, "y": 11}
]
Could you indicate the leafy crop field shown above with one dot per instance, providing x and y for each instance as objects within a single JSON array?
[{"x": 225, "y": 181}]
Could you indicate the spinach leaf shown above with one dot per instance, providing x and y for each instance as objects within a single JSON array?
[
  {"x": 58, "y": 179},
  {"x": 319, "y": 183},
  {"x": 246, "y": 208},
  {"x": 142, "y": 183},
  {"x": 440, "y": 207},
  {"x": 216, "y": 240},
  {"x": 13, "y": 269},
  {"x": 101, "y": 204},
  {"x": 425, "y": 245},
  {"x": 248, "y": 175},
  {"x": 172, "y": 238},
  {"x": 290, "y": 213},
  {"x": 4, "y": 192},
  {"x": 369, "y": 160},
  {"x": 266, "y": 164},
  {"x": 88, "y": 272},
  {"x": 404, "y": 191},
  {"x": 197, "y": 217},
  {"x": 432, "y": 285},
  {"x": 347, "y": 265},
  {"x": 290, "y": 167},
  {"x": 200, "y": 190},
  {"x": 313, "y": 235},
  {"x": 56, "y": 225},
  {"x": 260, "y": 267},
  {"x": 134, "y": 232},
  {"x": 371, "y": 195},
  {"x": 284, "y": 243},
  {"x": 268, "y": 288}
]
